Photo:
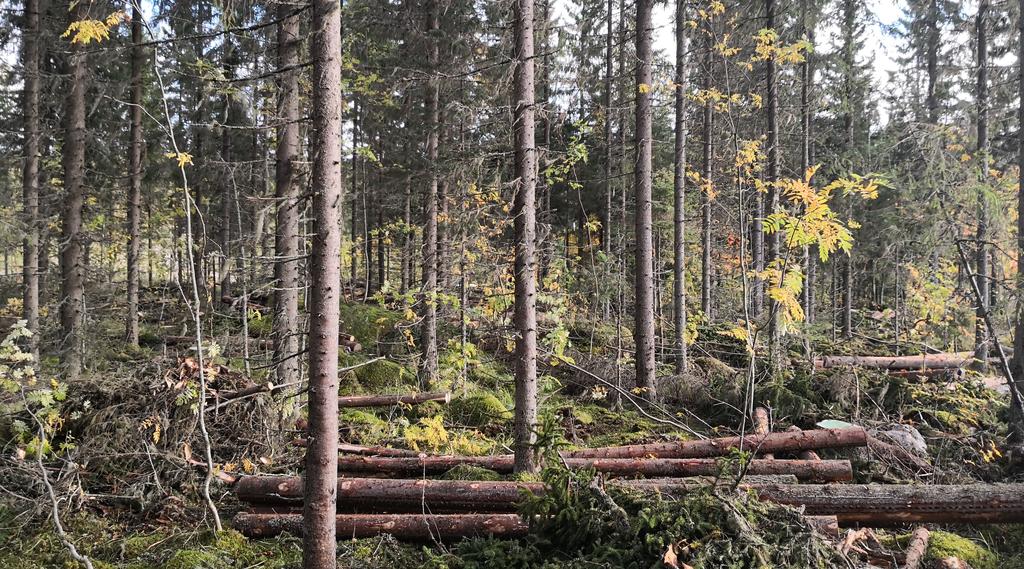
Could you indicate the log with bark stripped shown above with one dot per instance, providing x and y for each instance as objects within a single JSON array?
[
  {"x": 916, "y": 549},
  {"x": 402, "y": 526},
  {"x": 817, "y": 470},
  {"x": 790, "y": 441},
  {"x": 923, "y": 361}
]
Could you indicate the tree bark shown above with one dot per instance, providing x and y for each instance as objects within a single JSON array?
[
  {"x": 820, "y": 470},
  {"x": 286, "y": 239},
  {"x": 884, "y": 505},
  {"x": 949, "y": 360},
  {"x": 135, "y": 181},
  {"x": 932, "y": 44},
  {"x": 981, "y": 269},
  {"x": 768, "y": 443},
  {"x": 30, "y": 175},
  {"x": 321, "y": 474},
  {"x": 806, "y": 84},
  {"x": 705, "y": 199},
  {"x": 1017, "y": 418},
  {"x": 917, "y": 548},
  {"x": 402, "y": 526},
  {"x": 772, "y": 111},
  {"x": 525, "y": 213},
  {"x": 644, "y": 335},
  {"x": 679, "y": 191},
  {"x": 606, "y": 244},
  {"x": 72, "y": 258},
  {"x": 428, "y": 332},
  {"x": 849, "y": 25}
]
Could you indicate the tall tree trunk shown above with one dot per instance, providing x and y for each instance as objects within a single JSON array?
[
  {"x": 72, "y": 258},
  {"x": 608, "y": 143},
  {"x": 228, "y": 182},
  {"x": 679, "y": 188},
  {"x": 981, "y": 269},
  {"x": 407, "y": 237},
  {"x": 645, "y": 362},
  {"x": 428, "y": 332},
  {"x": 705, "y": 199},
  {"x": 848, "y": 30},
  {"x": 524, "y": 211},
  {"x": 286, "y": 239},
  {"x": 934, "y": 36},
  {"x": 30, "y": 174},
  {"x": 772, "y": 109},
  {"x": 1018, "y": 331},
  {"x": 135, "y": 181},
  {"x": 321, "y": 479},
  {"x": 806, "y": 84}
]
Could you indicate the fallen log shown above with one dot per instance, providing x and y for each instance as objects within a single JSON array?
[
  {"x": 394, "y": 494},
  {"x": 825, "y": 525},
  {"x": 885, "y": 505},
  {"x": 790, "y": 441},
  {"x": 916, "y": 549},
  {"x": 346, "y": 448},
  {"x": 402, "y": 526},
  {"x": 945, "y": 373},
  {"x": 388, "y": 400},
  {"x": 818, "y": 470},
  {"x": 918, "y": 362},
  {"x": 805, "y": 454},
  {"x": 889, "y": 451}
]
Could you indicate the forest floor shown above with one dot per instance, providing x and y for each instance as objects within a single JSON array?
[{"x": 129, "y": 464}]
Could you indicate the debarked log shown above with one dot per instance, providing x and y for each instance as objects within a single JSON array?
[
  {"x": 812, "y": 470},
  {"x": 774, "y": 443},
  {"x": 402, "y": 526},
  {"x": 923, "y": 361}
]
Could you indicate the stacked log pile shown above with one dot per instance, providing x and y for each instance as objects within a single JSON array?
[{"x": 373, "y": 497}]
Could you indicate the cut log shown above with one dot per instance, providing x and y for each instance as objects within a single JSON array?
[
  {"x": 413, "y": 527},
  {"x": 820, "y": 470},
  {"x": 885, "y": 505},
  {"x": 804, "y": 454},
  {"x": 923, "y": 361},
  {"x": 346, "y": 448},
  {"x": 944, "y": 373},
  {"x": 916, "y": 549},
  {"x": 762, "y": 426},
  {"x": 789, "y": 441},
  {"x": 389, "y": 400},
  {"x": 394, "y": 494}
]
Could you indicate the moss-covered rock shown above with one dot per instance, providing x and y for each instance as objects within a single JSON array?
[
  {"x": 478, "y": 409},
  {"x": 942, "y": 544},
  {"x": 384, "y": 376}
]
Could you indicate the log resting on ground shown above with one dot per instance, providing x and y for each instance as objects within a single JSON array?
[
  {"x": 388, "y": 400},
  {"x": 885, "y": 505},
  {"x": 923, "y": 361},
  {"x": 917, "y": 548},
  {"x": 402, "y": 526},
  {"x": 790, "y": 441},
  {"x": 814, "y": 470}
]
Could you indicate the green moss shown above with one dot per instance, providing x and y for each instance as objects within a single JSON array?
[
  {"x": 195, "y": 559},
  {"x": 470, "y": 472},
  {"x": 134, "y": 546},
  {"x": 369, "y": 323},
  {"x": 942, "y": 544},
  {"x": 260, "y": 325},
  {"x": 360, "y": 418},
  {"x": 382, "y": 376},
  {"x": 479, "y": 409}
]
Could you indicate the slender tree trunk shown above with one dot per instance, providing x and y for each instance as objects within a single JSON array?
[
  {"x": 321, "y": 478},
  {"x": 645, "y": 362},
  {"x": 679, "y": 188},
  {"x": 608, "y": 143},
  {"x": 227, "y": 190},
  {"x": 354, "y": 229},
  {"x": 774, "y": 333},
  {"x": 981, "y": 269},
  {"x": 72, "y": 258},
  {"x": 30, "y": 174},
  {"x": 806, "y": 84},
  {"x": 525, "y": 214},
  {"x": 849, "y": 30},
  {"x": 407, "y": 237},
  {"x": 934, "y": 36},
  {"x": 135, "y": 181},
  {"x": 286, "y": 239},
  {"x": 705, "y": 199},
  {"x": 1017, "y": 423},
  {"x": 428, "y": 332}
]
